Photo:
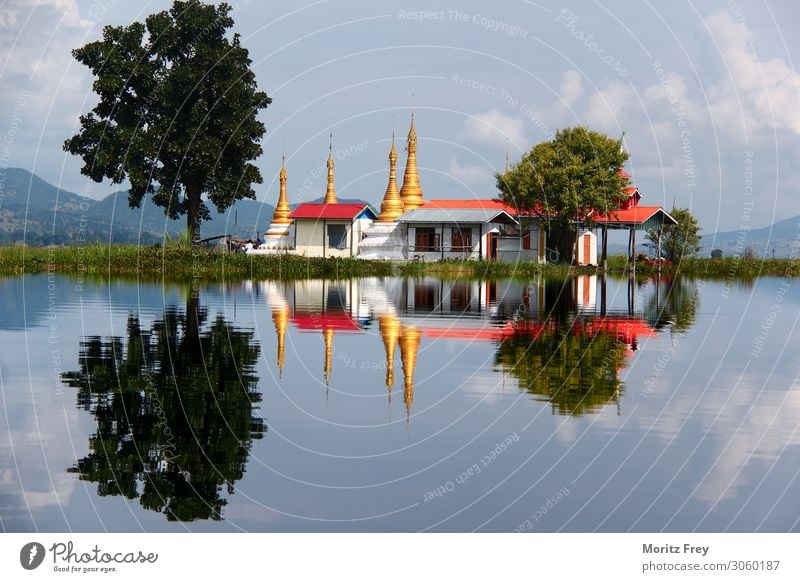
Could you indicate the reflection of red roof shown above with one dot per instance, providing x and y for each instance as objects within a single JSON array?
[
  {"x": 626, "y": 330},
  {"x": 328, "y": 211},
  {"x": 633, "y": 215},
  {"x": 319, "y": 321}
]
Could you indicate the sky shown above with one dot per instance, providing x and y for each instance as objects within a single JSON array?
[{"x": 706, "y": 92}]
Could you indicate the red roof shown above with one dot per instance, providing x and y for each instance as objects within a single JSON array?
[
  {"x": 633, "y": 215},
  {"x": 623, "y": 174},
  {"x": 472, "y": 204},
  {"x": 328, "y": 211}
]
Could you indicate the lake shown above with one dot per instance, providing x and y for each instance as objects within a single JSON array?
[{"x": 400, "y": 405}]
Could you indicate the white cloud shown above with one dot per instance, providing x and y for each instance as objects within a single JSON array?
[
  {"x": 571, "y": 86},
  {"x": 495, "y": 127},
  {"x": 608, "y": 108},
  {"x": 766, "y": 93},
  {"x": 470, "y": 175}
]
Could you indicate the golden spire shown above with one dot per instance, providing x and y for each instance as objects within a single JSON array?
[
  {"x": 282, "y": 210},
  {"x": 280, "y": 316},
  {"x": 389, "y": 327},
  {"x": 411, "y": 192},
  {"x": 327, "y": 334},
  {"x": 330, "y": 194},
  {"x": 392, "y": 205},
  {"x": 409, "y": 345}
]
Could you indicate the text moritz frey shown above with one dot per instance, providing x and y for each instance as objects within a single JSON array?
[{"x": 668, "y": 549}]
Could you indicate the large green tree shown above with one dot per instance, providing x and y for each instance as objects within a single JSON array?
[
  {"x": 678, "y": 240},
  {"x": 177, "y": 114},
  {"x": 566, "y": 179}
]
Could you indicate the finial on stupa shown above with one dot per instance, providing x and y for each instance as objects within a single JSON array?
[{"x": 330, "y": 193}]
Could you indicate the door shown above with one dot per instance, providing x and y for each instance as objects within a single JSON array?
[
  {"x": 587, "y": 249},
  {"x": 493, "y": 241}
]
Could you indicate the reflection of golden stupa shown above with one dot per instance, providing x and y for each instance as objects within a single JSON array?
[
  {"x": 327, "y": 335},
  {"x": 330, "y": 194},
  {"x": 280, "y": 316},
  {"x": 411, "y": 192},
  {"x": 392, "y": 205},
  {"x": 409, "y": 345},
  {"x": 282, "y": 210},
  {"x": 389, "y": 327}
]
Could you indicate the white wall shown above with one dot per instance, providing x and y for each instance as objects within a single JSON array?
[{"x": 311, "y": 240}]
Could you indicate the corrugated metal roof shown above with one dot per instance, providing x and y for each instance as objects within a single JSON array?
[
  {"x": 460, "y": 215},
  {"x": 329, "y": 211}
]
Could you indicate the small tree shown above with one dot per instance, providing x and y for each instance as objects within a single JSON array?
[
  {"x": 566, "y": 179},
  {"x": 716, "y": 254},
  {"x": 177, "y": 115},
  {"x": 678, "y": 240}
]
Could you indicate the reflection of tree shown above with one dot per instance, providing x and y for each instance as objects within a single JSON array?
[
  {"x": 675, "y": 302},
  {"x": 575, "y": 371},
  {"x": 174, "y": 412}
]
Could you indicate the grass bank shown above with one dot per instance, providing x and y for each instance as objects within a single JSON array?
[
  {"x": 178, "y": 264},
  {"x": 184, "y": 264}
]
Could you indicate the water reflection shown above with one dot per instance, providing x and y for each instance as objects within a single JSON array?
[
  {"x": 174, "y": 406},
  {"x": 561, "y": 340}
]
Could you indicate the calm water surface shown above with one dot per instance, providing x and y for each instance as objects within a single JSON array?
[{"x": 399, "y": 405}]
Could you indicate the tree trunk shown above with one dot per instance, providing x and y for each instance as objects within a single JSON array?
[{"x": 193, "y": 213}]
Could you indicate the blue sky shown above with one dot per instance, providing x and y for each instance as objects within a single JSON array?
[{"x": 707, "y": 93}]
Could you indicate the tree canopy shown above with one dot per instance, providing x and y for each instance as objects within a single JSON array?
[
  {"x": 678, "y": 240},
  {"x": 567, "y": 178},
  {"x": 177, "y": 111}
]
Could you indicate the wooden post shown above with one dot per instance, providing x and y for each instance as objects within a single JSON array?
[
  {"x": 441, "y": 241},
  {"x": 604, "y": 259},
  {"x": 633, "y": 248},
  {"x": 658, "y": 252}
]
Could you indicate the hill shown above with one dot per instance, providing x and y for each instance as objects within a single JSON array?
[
  {"x": 38, "y": 212},
  {"x": 779, "y": 236}
]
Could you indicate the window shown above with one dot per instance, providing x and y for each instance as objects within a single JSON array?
[
  {"x": 337, "y": 236},
  {"x": 426, "y": 239},
  {"x": 461, "y": 240},
  {"x": 526, "y": 240}
]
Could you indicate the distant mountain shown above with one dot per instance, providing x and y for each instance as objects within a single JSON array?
[
  {"x": 780, "y": 237},
  {"x": 40, "y": 213}
]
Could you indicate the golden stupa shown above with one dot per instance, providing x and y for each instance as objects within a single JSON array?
[
  {"x": 392, "y": 205},
  {"x": 411, "y": 192},
  {"x": 330, "y": 194},
  {"x": 282, "y": 210}
]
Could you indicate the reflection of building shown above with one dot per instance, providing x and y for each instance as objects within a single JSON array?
[{"x": 540, "y": 325}]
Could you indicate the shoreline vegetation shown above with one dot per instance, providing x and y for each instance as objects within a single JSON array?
[{"x": 174, "y": 263}]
